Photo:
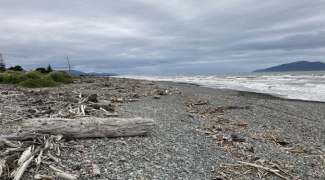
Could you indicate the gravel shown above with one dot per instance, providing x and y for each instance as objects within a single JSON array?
[{"x": 173, "y": 150}]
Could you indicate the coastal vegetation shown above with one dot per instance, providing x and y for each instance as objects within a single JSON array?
[{"x": 34, "y": 79}]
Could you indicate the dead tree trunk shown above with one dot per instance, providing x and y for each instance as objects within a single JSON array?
[
  {"x": 90, "y": 127},
  {"x": 69, "y": 64}
]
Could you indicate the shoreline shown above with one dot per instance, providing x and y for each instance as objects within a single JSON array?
[
  {"x": 265, "y": 95},
  {"x": 179, "y": 146}
]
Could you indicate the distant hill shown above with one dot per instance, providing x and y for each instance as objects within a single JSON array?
[
  {"x": 296, "y": 66},
  {"x": 90, "y": 74}
]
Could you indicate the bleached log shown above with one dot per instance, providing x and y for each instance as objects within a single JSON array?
[
  {"x": 8, "y": 143},
  {"x": 274, "y": 171},
  {"x": 107, "y": 107},
  {"x": 108, "y": 114},
  {"x": 20, "y": 137},
  {"x": 61, "y": 174},
  {"x": 13, "y": 150},
  {"x": 65, "y": 175},
  {"x": 38, "y": 161},
  {"x": 19, "y": 173},
  {"x": 88, "y": 127},
  {"x": 55, "y": 169},
  {"x": 52, "y": 157},
  {"x": 26, "y": 154},
  {"x": 82, "y": 107},
  {"x": 39, "y": 176},
  {"x": 2, "y": 166}
]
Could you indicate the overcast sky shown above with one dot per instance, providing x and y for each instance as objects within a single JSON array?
[{"x": 161, "y": 37}]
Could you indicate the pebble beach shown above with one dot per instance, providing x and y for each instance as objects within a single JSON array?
[{"x": 179, "y": 148}]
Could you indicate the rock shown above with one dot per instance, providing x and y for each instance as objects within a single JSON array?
[{"x": 93, "y": 98}]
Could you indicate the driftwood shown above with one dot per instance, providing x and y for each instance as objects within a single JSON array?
[
  {"x": 20, "y": 171},
  {"x": 271, "y": 170},
  {"x": 26, "y": 155},
  {"x": 45, "y": 107},
  {"x": 39, "y": 176},
  {"x": 90, "y": 127},
  {"x": 2, "y": 166},
  {"x": 4, "y": 141},
  {"x": 107, "y": 107},
  {"x": 62, "y": 174}
]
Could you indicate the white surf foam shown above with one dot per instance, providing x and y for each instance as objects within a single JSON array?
[{"x": 292, "y": 86}]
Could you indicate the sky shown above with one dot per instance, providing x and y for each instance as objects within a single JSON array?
[{"x": 150, "y": 37}]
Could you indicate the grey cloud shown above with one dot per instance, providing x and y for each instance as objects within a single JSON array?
[
  {"x": 294, "y": 42},
  {"x": 168, "y": 37}
]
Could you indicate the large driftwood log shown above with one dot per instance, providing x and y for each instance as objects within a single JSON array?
[{"x": 90, "y": 127}]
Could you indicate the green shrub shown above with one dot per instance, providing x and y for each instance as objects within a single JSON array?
[
  {"x": 12, "y": 77},
  {"x": 42, "y": 81},
  {"x": 35, "y": 79},
  {"x": 61, "y": 76},
  {"x": 33, "y": 75}
]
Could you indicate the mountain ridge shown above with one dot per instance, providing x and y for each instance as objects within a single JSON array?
[
  {"x": 296, "y": 66},
  {"x": 90, "y": 74}
]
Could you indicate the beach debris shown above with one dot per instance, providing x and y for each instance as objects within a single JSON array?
[
  {"x": 273, "y": 138},
  {"x": 107, "y": 107},
  {"x": 197, "y": 102},
  {"x": 2, "y": 166},
  {"x": 236, "y": 138},
  {"x": 223, "y": 124},
  {"x": 84, "y": 109},
  {"x": 87, "y": 127},
  {"x": 260, "y": 167},
  {"x": 39, "y": 153},
  {"x": 285, "y": 144},
  {"x": 223, "y": 130},
  {"x": 39, "y": 176},
  {"x": 64, "y": 175},
  {"x": 117, "y": 99},
  {"x": 196, "y": 106}
]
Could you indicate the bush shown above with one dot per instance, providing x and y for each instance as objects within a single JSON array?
[
  {"x": 12, "y": 77},
  {"x": 41, "y": 81},
  {"x": 61, "y": 76},
  {"x": 35, "y": 79},
  {"x": 33, "y": 75}
]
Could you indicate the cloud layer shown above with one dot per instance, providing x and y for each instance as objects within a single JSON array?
[{"x": 161, "y": 37}]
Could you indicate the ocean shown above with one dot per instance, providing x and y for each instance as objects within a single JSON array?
[{"x": 308, "y": 86}]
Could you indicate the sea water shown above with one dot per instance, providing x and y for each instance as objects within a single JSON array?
[{"x": 291, "y": 85}]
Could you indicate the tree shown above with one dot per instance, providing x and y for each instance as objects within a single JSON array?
[
  {"x": 42, "y": 70},
  {"x": 2, "y": 63},
  {"x": 49, "y": 68},
  {"x": 2, "y": 67},
  {"x": 16, "y": 68}
]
